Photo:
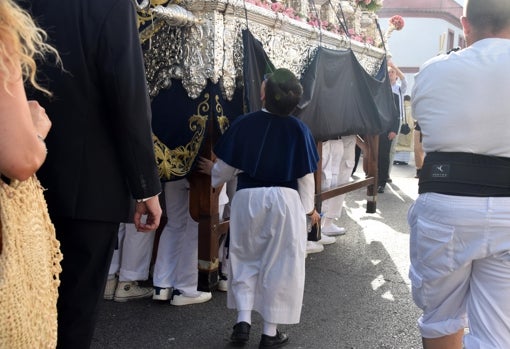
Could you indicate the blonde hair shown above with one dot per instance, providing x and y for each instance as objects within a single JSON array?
[{"x": 21, "y": 43}]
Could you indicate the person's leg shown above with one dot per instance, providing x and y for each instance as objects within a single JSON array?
[
  {"x": 326, "y": 172},
  {"x": 345, "y": 168},
  {"x": 452, "y": 341},
  {"x": 185, "y": 250},
  {"x": 171, "y": 239},
  {"x": 331, "y": 208},
  {"x": 392, "y": 151},
  {"x": 383, "y": 162},
  {"x": 346, "y": 165},
  {"x": 115, "y": 263},
  {"x": 488, "y": 306},
  {"x": 111, "y": 283},
  {"x": 357, "y": 155},
  {"x": 87, "y": 247},
  {"x": 136, "y": 254},
  {"x": 450, "y": 235}
]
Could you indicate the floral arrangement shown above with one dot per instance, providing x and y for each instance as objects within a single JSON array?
[
  {"x": 369, "y": 5},
  {"x": 397, "y": 22},
  {"x": 312, "y": 20}
]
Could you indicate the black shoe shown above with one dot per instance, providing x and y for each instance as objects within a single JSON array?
[
  {"x": 389, "y": 180},
  {"x": 276, "y": 341},
  {"x": 241, "y": 333},
  {"x": 380, "y": 189}
]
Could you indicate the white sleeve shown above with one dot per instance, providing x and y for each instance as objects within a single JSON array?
[
  {"x": 403, "y": 85},
  {"x": 222, "y": 172},
  {"x": 306, "y": 190}
]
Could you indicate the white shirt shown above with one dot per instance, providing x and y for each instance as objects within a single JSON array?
[
  {"x": 462, "y": 100},
  {"x": 223, "y": 172},
  {"x": 400, "y": 90}
]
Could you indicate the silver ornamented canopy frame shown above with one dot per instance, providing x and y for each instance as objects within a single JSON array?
[{"x": 199, "y": 40}]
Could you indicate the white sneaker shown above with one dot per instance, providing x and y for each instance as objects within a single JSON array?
[
  {"x": 127, "y": 290},
  {"x": 326, "y": 240},
  {"x": 333, "y": 230},
  {"x": 222, "y": 286},
  {"x": 313, "y": 247},
  {"x": 111, "y": 286},
  {"x": 161, "y": 293},
  {"x": 179, "y": 299},
  {"x": 222, "y": 283}
]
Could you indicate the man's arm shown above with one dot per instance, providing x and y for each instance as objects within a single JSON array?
[{"x": 124, "y": 84}]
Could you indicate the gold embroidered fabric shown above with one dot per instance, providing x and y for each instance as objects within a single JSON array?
[{"x": 29, "y": 268}]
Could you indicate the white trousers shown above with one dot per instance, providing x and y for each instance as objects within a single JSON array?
[
  {"x": 177, "y": 259},
  {"x": 223, "y": 203},
  {"x": 133, "y": 256},
  {"x": 337, "y": 164},
  {"x": 460, "y": 267},
  {"x": 267, "y": 253}
]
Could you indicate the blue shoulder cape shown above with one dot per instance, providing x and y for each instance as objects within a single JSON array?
[{"x": 269, "y": 147}]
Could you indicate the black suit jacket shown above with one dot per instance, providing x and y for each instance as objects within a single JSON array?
[{"x": 100, "y": 151}]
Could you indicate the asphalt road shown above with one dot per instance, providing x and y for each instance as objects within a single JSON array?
[{"x": 357, "y": 293}]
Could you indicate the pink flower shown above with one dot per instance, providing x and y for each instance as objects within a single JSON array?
[
  {"x": 289, "y": 11},
  {"x": 277, "y": 7},
  {"x": 397, "y": 22}
]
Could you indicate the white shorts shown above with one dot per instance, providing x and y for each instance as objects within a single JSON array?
[{"x": 460, "y": 267}]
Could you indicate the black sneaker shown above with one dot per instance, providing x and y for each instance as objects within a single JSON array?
[
  {"x": 380, "y": 189},
  {"x": 241, "y": 333},
  {"x": 276, "y": 341}
]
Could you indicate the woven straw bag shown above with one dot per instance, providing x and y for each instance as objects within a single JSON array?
[{"x": 29, "y": 268}]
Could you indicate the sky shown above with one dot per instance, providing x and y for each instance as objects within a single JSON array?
[{"x": 460, "y": 2}]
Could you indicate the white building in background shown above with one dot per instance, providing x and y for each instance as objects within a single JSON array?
[{"x": 431, "y": 27}]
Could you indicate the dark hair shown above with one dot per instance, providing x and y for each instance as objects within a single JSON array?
[
  {"x": 490, "y": 16},
  {"x": 283, "y": 92}
]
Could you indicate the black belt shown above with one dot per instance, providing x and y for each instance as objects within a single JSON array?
[
  {"x": 244, "y": 181},
  {"x": 465, "y": 174}
]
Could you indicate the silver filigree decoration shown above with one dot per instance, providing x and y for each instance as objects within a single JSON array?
[
  {"x": 175, "y": 16},
  {"x": 163, "y": 59},
  {"x": 209, "y": 44},
  {"x": 142, "y": 6},
  {"x": 194, "y": 67}
]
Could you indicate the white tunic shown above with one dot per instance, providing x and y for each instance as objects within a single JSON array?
[{"x": 267, "y": 247}]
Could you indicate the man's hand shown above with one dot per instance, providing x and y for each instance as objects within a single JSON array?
[
  {"x": 152, "y": 209},
  {"x": 205, "y": 165},
  {"x": 315, "y": 217}
]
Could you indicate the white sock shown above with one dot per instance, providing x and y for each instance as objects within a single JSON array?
[
  {"x": 269, "y": 329},
  {"x": 244, "y": 315},
  {"x": 327, "y": 222}
]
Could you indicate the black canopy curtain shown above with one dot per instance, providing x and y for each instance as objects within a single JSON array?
[{"x": 340, "y": 97}]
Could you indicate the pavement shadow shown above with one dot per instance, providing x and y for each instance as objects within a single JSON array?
[{"x": 357, "y": 295}]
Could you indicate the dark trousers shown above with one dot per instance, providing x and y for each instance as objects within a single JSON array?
[
  {"x": 87, "y": 248},
  {"x": 357, "y": 155},
  {"x": 383, "y": 162}
]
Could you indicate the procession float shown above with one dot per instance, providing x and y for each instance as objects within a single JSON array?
[{"x": 205, "y": 60}]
